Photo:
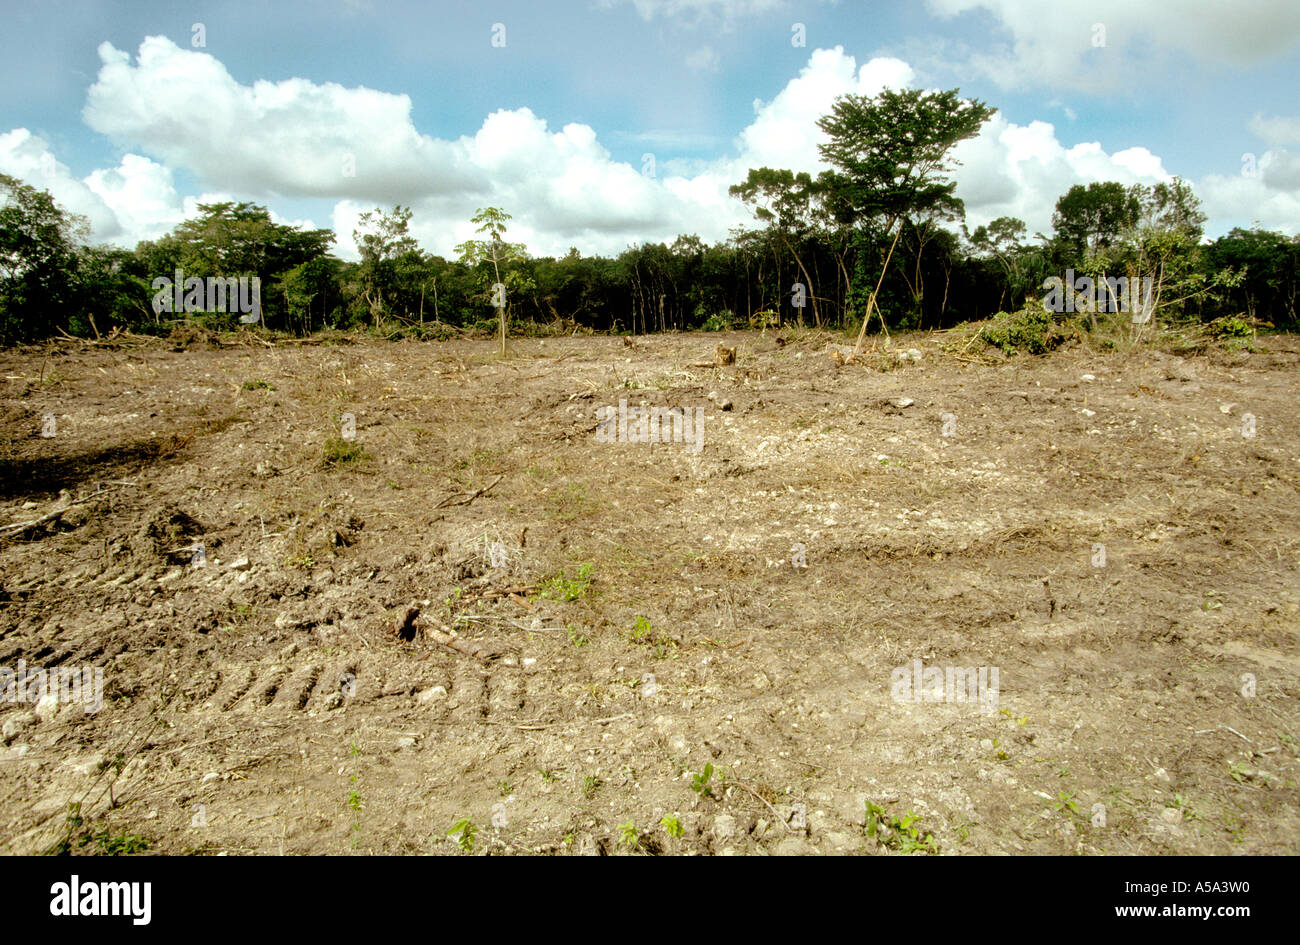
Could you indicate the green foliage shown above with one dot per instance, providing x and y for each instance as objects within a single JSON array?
[
  {"x": 76, "y": 834},
  {"x": 38, "y": 261},
  {"x": 1031, "y": 329},
  {"x": 721, "y": 321},
  {"x": 463, "y": 833},
  {"x": 1231, "y": 327},
  {"x": 899, "y": 834},
  {"x": 700, "y": 782},
  {"x": 339, "y": 452},
  {"x": 672, "y": 825},
  {"x": 628, "y": 835},
  {"x": 563, "y": 588}
]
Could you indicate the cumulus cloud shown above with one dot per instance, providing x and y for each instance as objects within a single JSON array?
[
  {"x": 563, "y": 186},
  {"x": 1277, "y": 131},
  {"x": 135, "y": 200},
  {"x": 1057, "y": 43},
  {"x": 293, "y": 138}
]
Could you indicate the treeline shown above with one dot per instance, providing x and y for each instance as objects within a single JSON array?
[{"x": 880, "y": 234}]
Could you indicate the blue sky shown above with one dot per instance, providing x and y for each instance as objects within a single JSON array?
[{"x": 131, "y": 116}]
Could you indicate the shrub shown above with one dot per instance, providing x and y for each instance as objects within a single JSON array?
[{"x": 1032, "y": 329}]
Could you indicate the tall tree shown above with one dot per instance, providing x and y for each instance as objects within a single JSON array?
[
  {"x": 382, "y": 239},
  {"x": 39, "y": 244},
  {"x": 492, "y": 223},
  {"x": 783, "y": 200},
  {"x": 891, "y": 159}
]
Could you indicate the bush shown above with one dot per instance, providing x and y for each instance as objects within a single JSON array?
[
  {"x": 1032, "y": 329},
  {"x": 1231, "y": 326},
  {"x": 722, "y": 321}
]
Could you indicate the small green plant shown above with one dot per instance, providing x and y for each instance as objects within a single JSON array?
[
  {"x": 1065, "y": 803},
  {"x": 76, "y": 833},
  {"x": 899, "y": 834},
  {"x": 641, "y": 630},
  {"x": 562, "y": 588},
  {"x": 505, "y": 787},
  {"x": 1189, "y": 812},
  {"x": 119, "y": 844},
  {"x": 700, "y": 782},
  {"x": 258, "y": 384},
  {"x": 672, "y": 825},
  {"x": 463, "y": 832},
  {"x": 628, "y": 835},
  {"x": 339, "y": 452},
  {"x": 576, "y": 638},
  {"x": 590, "y": 785},
  {"x": 354, "y": 800},
  {"x": 549, "y": 775}
]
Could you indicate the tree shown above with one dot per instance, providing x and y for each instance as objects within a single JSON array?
[
  {"x": 783, "y": 199},
  {"x": 495, "y": 249},
  {"x": 890, "y": 155},
  {"x": 38, "y": 261},
  {"x": 382, "y": 239},
  {"x": 1089, "y": 219}
]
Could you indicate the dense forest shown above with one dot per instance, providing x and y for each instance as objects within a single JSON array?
[{"x": 882, "y": 232}]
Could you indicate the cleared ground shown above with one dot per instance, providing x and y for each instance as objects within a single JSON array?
[{"x": 1119, "y": 548}]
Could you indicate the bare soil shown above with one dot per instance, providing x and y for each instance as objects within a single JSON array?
[{"x": 1120, "y": 549}]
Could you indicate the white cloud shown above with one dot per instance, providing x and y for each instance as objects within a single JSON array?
[
  {"x": 564, "y": 187},
  {"x": 1053, "y": 43},
  {"x": 293, "y": 138},
  {"x": 1276, "y": 131},
  {"x": 704, "y": 59},
  {"x": 135, "y": 200}
]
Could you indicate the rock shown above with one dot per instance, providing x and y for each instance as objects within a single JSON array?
[
  {"x": 48, "y": 706},
  {"x": 210, "y": 777},
  {"x": 840, "y": 842},
  {"x": 725, "y": 403},
  {"x": 794, "y": 846},
  {"x": 432, "y": 694},
  {"x": 1172, "y": 816},
  {"x": 240, "y": 564},
  {"x": 1088, "y": 377},
  {"x": 724, "y": 826},
  {"x": 13, "y": 726},
  {"x": 406, "y": 741},
  {"x": 902, "y": 402}
]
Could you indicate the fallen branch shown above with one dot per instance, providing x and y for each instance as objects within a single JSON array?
[
  {"x": 443, "y": 635},
  {"x": 467, "y": 498},
  {"x": 19, "y": 527}
]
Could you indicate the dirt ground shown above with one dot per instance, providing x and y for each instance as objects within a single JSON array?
[{"x": 1110, "y": 542}]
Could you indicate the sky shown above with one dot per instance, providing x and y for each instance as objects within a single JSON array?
[{"x": 599, "y": 124}]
